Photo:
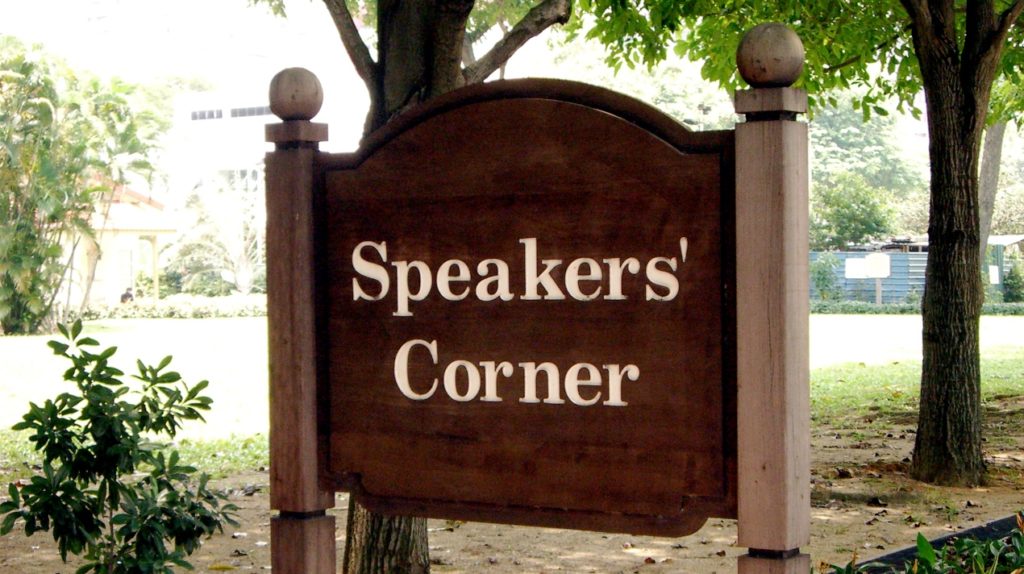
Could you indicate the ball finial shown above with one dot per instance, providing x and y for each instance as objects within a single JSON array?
[
  {"x": 295, "y": 94},
  {"x": 770, "y": 56}
]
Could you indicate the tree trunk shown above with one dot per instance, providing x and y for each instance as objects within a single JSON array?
[
  {"x": 419, "y": 54},
  {"x": 991, "y": 158},
  {"x": 384, "y": 544},
  {"x": 947, "y": 449},
  {"x": 419, "y": 57},
  {"x": 420, "y": 50}
]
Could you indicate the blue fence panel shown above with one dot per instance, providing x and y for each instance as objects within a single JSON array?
[{"x": 905, "y": 282}]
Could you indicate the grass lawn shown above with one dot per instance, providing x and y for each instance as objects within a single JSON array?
[
  {"x": 861, "y": 364},
  {"x": 230, "y": 353}
]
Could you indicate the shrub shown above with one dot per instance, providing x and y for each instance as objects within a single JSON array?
[
  {"x": 183, "y": 306},
  {"x": 865, "y": 308},
  {"x": 959, "y": 556},
  {"x": 1013, "y": 285},
  {"x": 823, "y": 277},
  {"x": 93, "y": 442}
]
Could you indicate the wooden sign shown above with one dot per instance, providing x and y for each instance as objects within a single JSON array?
[{"x": 526, "y": 313}]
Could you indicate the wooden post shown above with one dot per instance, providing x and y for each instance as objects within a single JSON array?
[
  {"x": 772, "y": 305},
  {"x": 302, "y": 535}
]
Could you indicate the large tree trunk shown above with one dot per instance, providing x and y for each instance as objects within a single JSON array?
[
  {"x": 957, "y": 84},
  {"x": 947, "y": 449},
  {"x": 991, "y": 158}
]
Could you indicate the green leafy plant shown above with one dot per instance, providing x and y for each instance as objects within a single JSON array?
[
  {"x": 95, "y": 444},
  {"x": 824, "y": 279},
  {"x": 1013, "y": 285},
  {"x": 960, "y": 556}
]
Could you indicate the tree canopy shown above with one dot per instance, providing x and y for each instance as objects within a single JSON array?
[
  {"x": 953, "y": 51},
  {"x": 64, "y": 141}
]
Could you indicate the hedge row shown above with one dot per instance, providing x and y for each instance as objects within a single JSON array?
[
  {"x": 197, "y": 307},
  {"x": 866, "y": 308},
  {"x": 183, "y": 307}
]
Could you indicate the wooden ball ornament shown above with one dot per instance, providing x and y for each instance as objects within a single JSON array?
[
  {"x": 770, "y": 56},
  {"x": 296, "y": 94}
]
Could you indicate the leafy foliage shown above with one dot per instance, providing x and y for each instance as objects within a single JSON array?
[
  {"x": 846, "y": 210},
  {"x": 93, "y": 442},
  {"x": 823, "y": 277},
  {"x": 1013, "y": 285},
  {"x": 843, "y": 141},
  {"x": 842, "y": 41},
  {"x": 960, "y": 556},
  {"x": 910, "y": 308},
  {"x": 224, "y": 250},
  {"x": 62, "y": 141}
]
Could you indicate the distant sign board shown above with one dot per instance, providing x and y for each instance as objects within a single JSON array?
[
  {"x": 873, "y": 266},
  {"x": 527, "y": 314}
]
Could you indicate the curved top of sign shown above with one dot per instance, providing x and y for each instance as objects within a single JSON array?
[
  {"x": 632, "y": 110},
  {"x": 567, "y": 229}
]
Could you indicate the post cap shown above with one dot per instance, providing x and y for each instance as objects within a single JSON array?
[
  {"x": 770, "y": 56},
  {"x": 295, "y": 94}
]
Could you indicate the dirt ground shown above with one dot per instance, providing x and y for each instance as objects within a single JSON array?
[{"x": 864, "y": 505}]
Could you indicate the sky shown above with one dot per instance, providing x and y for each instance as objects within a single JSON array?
[
  {"x": 224, "y": 41},
  {"x": 237, "y": 48}
]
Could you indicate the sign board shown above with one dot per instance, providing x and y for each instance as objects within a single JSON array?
[
  {"x": 873, "y": 266},
  {"x": 526, "y": 314}
]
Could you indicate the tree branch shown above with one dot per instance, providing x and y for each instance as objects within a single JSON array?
[
  {"x": 354, "y": 45},
  {"x": 1009, "y": 17},
  {"x": 538, "y": 19},
  {"x": 877, "y": 48}
]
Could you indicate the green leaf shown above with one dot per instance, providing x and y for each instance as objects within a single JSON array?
[
  {"x": 8, "y": 522},
  {"x": 58, "y": 347},
  {"x": 163, "y": 363},
  {"x": 925, "y": 552}
]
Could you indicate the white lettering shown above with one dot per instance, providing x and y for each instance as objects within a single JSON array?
[
  {"x": 491, "y": 372},
  {"x": 615, "y": 269},
  {"x": 370, "y": 270},
  {"x": 534, "y": 280},
  {"x": 445, "y": 278},
  {"x": 402, "y": 369},
  {"x": 662, "y": 279},
  {"x": 615, "y": 373},
  {"x": 573, "y": 382},
  {"x": 402, "y": 290},
  {"x": 451, "y": 383},
  {"x": 573, "y": 278},
  {"x": 500, "y": 280},
  {"x": 530, "y": 371}
]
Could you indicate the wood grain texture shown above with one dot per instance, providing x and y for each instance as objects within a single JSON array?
[
  {"x": 291, "y": 322},
  {"x": 303, "y": 545},
  {"x": 771, "y": 100},
  {"x": 772, "y": 316},
  {"x": 588, "y": 174}
]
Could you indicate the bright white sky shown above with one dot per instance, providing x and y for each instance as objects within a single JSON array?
[{"x": 224, "y": 41}]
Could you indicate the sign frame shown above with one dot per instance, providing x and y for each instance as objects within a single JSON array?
[
  {"x": 546, "y": 99},
  {"x": 772, "y": 373}
]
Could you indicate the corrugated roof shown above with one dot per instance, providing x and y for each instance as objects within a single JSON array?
[{"x": 1004, "y": 240}]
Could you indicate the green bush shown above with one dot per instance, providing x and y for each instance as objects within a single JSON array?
[
  {"x": 823, "y": 277},
  {"x": 93, "y": 444},
  {"x": 866, "y": 308},
  {"x": 960, "y": 556},
  {"x": 1013, "y": 285},
  {"x": 183, "y": 307}
]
